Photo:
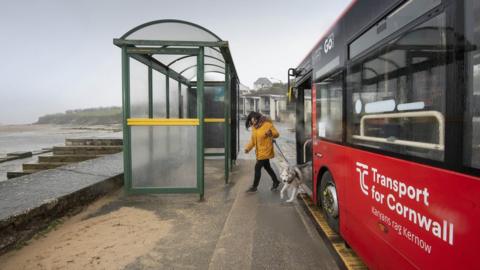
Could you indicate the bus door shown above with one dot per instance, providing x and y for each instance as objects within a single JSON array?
[{"x": 303, "y": 124}]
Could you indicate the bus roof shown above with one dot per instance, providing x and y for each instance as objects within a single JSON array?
[{"x": 328, "y": 30}]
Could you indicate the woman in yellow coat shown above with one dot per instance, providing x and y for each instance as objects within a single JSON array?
[{"x": 263, "y": 133}]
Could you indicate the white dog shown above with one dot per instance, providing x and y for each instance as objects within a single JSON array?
[{"x": 293, "y": 177}]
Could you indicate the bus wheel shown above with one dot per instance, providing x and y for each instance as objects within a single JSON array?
[{"x": 329, "y": 200}]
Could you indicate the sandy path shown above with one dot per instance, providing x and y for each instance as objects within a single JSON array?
[{"x": 109, "y": 241}]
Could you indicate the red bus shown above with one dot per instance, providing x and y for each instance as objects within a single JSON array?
[{"x": 394, "y": 92}]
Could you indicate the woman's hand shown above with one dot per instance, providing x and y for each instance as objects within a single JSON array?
[
  {"x": 246, "y": 151},
  {"x": 269, "y": 133}
]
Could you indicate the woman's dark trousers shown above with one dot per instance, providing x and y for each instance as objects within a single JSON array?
[{"x": 258, "y": 167}]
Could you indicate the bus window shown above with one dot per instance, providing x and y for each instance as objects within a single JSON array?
[
  {"x": 329, "y": 106},
  {"x": 396, "y": 94},
  {"x": 308, "y": 112},
  {"x": 472, "y": 97}
]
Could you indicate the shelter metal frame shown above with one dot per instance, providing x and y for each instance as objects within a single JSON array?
[{"x": 145, "y": 50}]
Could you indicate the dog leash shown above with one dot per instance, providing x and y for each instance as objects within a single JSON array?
[{"x": 280, "y": 151}]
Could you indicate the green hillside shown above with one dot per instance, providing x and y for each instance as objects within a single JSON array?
[{"x": 91, "y": 116}]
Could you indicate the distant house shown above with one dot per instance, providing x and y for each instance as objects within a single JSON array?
[
  {"x": 271, "y": 102},
  {"x": 261, "y": 83}
]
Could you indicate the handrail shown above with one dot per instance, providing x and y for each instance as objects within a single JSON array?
[
  {"x": 434, "y": 146},
  {"x": 214, "y": 120},
  {"x": 171, "y": 121},
  {"x": 163, "y": 122}
]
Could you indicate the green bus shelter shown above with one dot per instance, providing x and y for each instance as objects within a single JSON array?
[{"x": 180, "y": 92}]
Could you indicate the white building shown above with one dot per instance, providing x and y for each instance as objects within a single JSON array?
[{"x": 272, "y": 105}]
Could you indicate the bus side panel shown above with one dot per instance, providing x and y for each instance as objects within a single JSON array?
[
  {"x": 335, "y": 158},
  {"x": 398, "y": 214}
]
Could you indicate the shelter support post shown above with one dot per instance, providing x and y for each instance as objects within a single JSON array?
[
  {"x": 226, "y": 123},
  {"x": 187, "y": 103},
  {"x": 201, "y": 118},
  {"x": 150, "y": 93},
  {"x": 180, "y": 100},
  {"x": 229, "y": 118},
  {"x": 167, "y": 91},
  {"x": 126, "y": 114}
]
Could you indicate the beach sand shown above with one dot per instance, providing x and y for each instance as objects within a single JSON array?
[{"x": 92, "y": 240}]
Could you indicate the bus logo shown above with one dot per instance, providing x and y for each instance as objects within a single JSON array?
[
  {"x": 328, "y": 44},
  {"x": 362, "y": 170}
]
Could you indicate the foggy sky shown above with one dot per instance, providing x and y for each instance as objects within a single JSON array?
[{"x": 58, "y": 55}]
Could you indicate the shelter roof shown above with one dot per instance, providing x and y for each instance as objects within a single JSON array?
[{"x": 176, "y": 44}]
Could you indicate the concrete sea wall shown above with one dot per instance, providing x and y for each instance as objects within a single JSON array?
[{"x": 28, "y": 204}]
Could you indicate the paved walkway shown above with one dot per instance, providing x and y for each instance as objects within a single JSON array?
[{"x": 261, "y": 232}]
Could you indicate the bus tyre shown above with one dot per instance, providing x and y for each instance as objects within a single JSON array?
[{"x": 329, "y": 201}]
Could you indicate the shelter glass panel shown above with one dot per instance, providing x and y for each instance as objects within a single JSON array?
[
  {"x": 211, "y": 75},
  {"x": 159, "y": 95},
  {"x": 184, "y": 89},
  {"x": 190, "y": 74},
  {"x": 183, "y": 63},
  {"x": 214, "y": 61},
  {"x": 172, "y": 31},
  {"x": 215, "y": 136},
  {"x": 214, "y": 101},
  {"x": 164, "y": 156},
  {"x": 214, "y": 76},
  {"x": 138, "y": 89},
  {"x": 166, "y": 58},
  {"x": 214, "y": 108},
  {"x": 192, "y": 102},
  {"x": 214, "y": 68},
  {"x": 215, "y": 52},
  {"x": 174, "y": 101}
]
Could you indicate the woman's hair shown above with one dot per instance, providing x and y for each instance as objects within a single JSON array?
[{"x": 252, "y": 115}]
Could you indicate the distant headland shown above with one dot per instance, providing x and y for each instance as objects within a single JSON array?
[{"x": 90, "y": 116}]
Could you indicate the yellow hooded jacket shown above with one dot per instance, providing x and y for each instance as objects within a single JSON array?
[{"x": 261, "y": 141}]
